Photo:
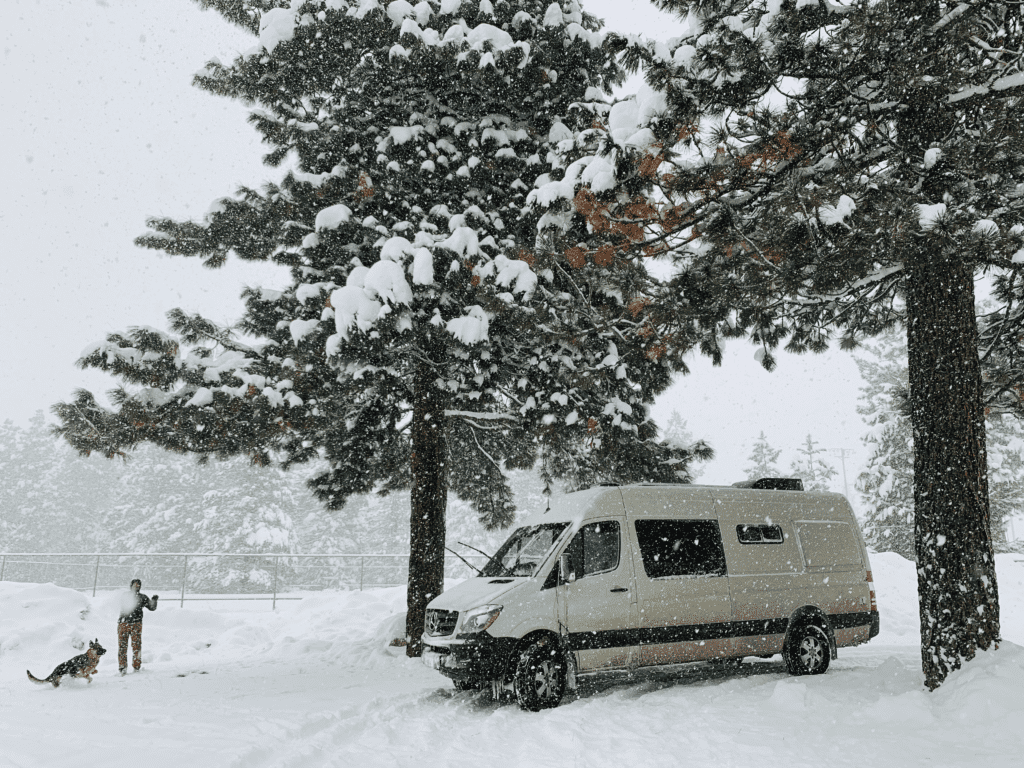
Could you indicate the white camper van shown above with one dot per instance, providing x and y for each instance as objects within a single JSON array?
[{"x": 616, "y": 578}]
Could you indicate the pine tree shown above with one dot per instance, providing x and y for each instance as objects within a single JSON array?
[
  {"x": 762, "y": 460},
  {"x": 48, "y": 495},
  {"x": 868, "y": 197},
  {"x": 425, "y": 340},
  {"x": 887, "y": 482},
  {"x": 16, "y": 471},
  {"x": 156, "y": 502},
  {"x": 248, "y": 510},
  {"x": 677, "y": 435},
  {"x": 1006, "y": 473},
  {"x": 811, "y": 467},
  {"x": 169, "y": 503}
]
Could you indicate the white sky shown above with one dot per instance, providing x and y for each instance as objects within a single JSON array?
[{"x": 103, "y": 129}]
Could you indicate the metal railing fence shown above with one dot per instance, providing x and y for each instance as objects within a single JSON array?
[{"x": 236, "y": 576}]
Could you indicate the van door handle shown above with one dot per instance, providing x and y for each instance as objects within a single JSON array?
[{"x": 619, "y": 589}]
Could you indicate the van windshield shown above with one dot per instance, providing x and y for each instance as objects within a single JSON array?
[{"x": 524, "y": 550}]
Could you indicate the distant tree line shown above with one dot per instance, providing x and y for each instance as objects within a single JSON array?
[
  {"x": 54, "y": 500},
  {"x": 809, "y": 464}
]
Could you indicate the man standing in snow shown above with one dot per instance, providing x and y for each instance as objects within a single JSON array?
[{"x": 130, "y": 625}]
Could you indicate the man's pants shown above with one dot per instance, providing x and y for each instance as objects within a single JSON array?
[{"x": 124, "y": 631}]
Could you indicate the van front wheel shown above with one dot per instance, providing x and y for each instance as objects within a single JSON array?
[
  {"x": 807, "y": 652},
  {"x": 539, "y": 679}
]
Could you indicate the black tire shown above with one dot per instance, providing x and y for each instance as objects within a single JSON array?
[
  {"x": 807, "y": 651},
  {"x": 539, "y": 678}
]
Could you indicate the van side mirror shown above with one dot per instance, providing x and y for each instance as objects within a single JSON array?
[{"x": 565, "y": 573}]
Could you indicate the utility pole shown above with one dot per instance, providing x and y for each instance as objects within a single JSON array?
[{"x": 842, "y": 453}]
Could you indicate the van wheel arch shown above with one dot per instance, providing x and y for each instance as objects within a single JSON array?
[
  {"x": 539, "y": 671},
  {"x": 810, "y": 615},
  {"x": 522, "y": 644}
]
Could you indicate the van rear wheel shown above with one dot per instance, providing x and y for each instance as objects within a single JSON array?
[
  {"x": 539, "y": 678},
  {"x": 807, "y": 652}
]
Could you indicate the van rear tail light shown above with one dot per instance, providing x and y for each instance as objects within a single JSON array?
[{"x": 871, "y": 591}]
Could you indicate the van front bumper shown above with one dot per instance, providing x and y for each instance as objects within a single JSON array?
[{"x": 473, "y": 658}]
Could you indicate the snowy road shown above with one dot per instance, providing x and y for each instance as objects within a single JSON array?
[{"x": 312, "y": 685}]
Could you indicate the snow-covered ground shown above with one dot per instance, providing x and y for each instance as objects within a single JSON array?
[{"x": 314, "y": 684}]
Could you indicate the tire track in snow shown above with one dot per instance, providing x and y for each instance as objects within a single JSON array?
[{"x": 666, "y": 718}]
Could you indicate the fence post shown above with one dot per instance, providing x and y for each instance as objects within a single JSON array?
[
  {"x": 3, "y": 567},
  {"x": 361, "y": 561},
  {"x": 184, "y": 574},
  {"x": 96, "y": 576},
  {"x": 277, "y": 562}
]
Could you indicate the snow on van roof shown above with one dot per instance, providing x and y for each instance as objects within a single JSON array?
[{"x": 572, "y": 507}]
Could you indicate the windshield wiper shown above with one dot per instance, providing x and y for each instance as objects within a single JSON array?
[
  {"x": 478, "y": 571},
  {"x": 490, "y": 559}
]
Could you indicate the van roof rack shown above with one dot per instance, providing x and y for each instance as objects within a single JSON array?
[{"x": 772, "y": 484}]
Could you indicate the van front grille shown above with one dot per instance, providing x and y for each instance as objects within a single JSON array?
[{"x": 440, "y": 623}]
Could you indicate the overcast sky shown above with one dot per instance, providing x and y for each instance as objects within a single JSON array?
[{"x": 102, "y": 129}]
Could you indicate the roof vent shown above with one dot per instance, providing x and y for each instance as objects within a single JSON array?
[{"x": 772, "y": 484}]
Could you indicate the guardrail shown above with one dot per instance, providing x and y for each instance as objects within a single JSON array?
[{"x": 210, "y": 572}]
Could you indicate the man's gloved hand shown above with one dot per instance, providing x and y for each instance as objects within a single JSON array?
[{"x": 155, "y": 598}]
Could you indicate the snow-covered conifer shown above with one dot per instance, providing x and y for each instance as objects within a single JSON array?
[
  {"x": 812, "y": 467},
  {"x": 168, "y": 503},
  {"x": 677, "y": 435},
  {"x": 47, "y": 493},
  {"x": 762, "y": 459},
  {"x": 425, "y": 340},
  {"x": 886, "y": 483}
]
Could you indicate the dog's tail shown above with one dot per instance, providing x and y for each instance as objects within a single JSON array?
[{"x": 34, "y": 679}]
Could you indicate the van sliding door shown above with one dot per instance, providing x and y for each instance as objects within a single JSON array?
[{"x": 685, "y": 608}]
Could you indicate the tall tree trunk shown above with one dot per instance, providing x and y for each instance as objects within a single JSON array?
[
  {"x": 956, "y": 578},
  {"x": 429, "y": 500}
]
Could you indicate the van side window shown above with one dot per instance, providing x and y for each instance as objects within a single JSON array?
[
  {"x": 681, "y": 547},
  {"x": 759, "y": 534},
  {"x": 595, "y": 549}
]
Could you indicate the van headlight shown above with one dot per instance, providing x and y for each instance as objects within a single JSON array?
[{"x": 479, "y": 619}]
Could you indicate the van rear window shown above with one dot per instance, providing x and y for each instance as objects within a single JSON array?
[
  {"x": 759, "y": 534},
  {"x": 680, "y": 547}
]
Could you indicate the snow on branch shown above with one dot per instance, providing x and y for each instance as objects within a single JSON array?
[{"x": 481, "y": 415}]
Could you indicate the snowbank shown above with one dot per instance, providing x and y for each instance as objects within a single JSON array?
[
  {"x": 37, "y": 616},
  {"x": 42, "y": 625},
  {"x": 896, "y": 588}
]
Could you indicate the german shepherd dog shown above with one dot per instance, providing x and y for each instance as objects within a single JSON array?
[{"x": 80, "y": 666}]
